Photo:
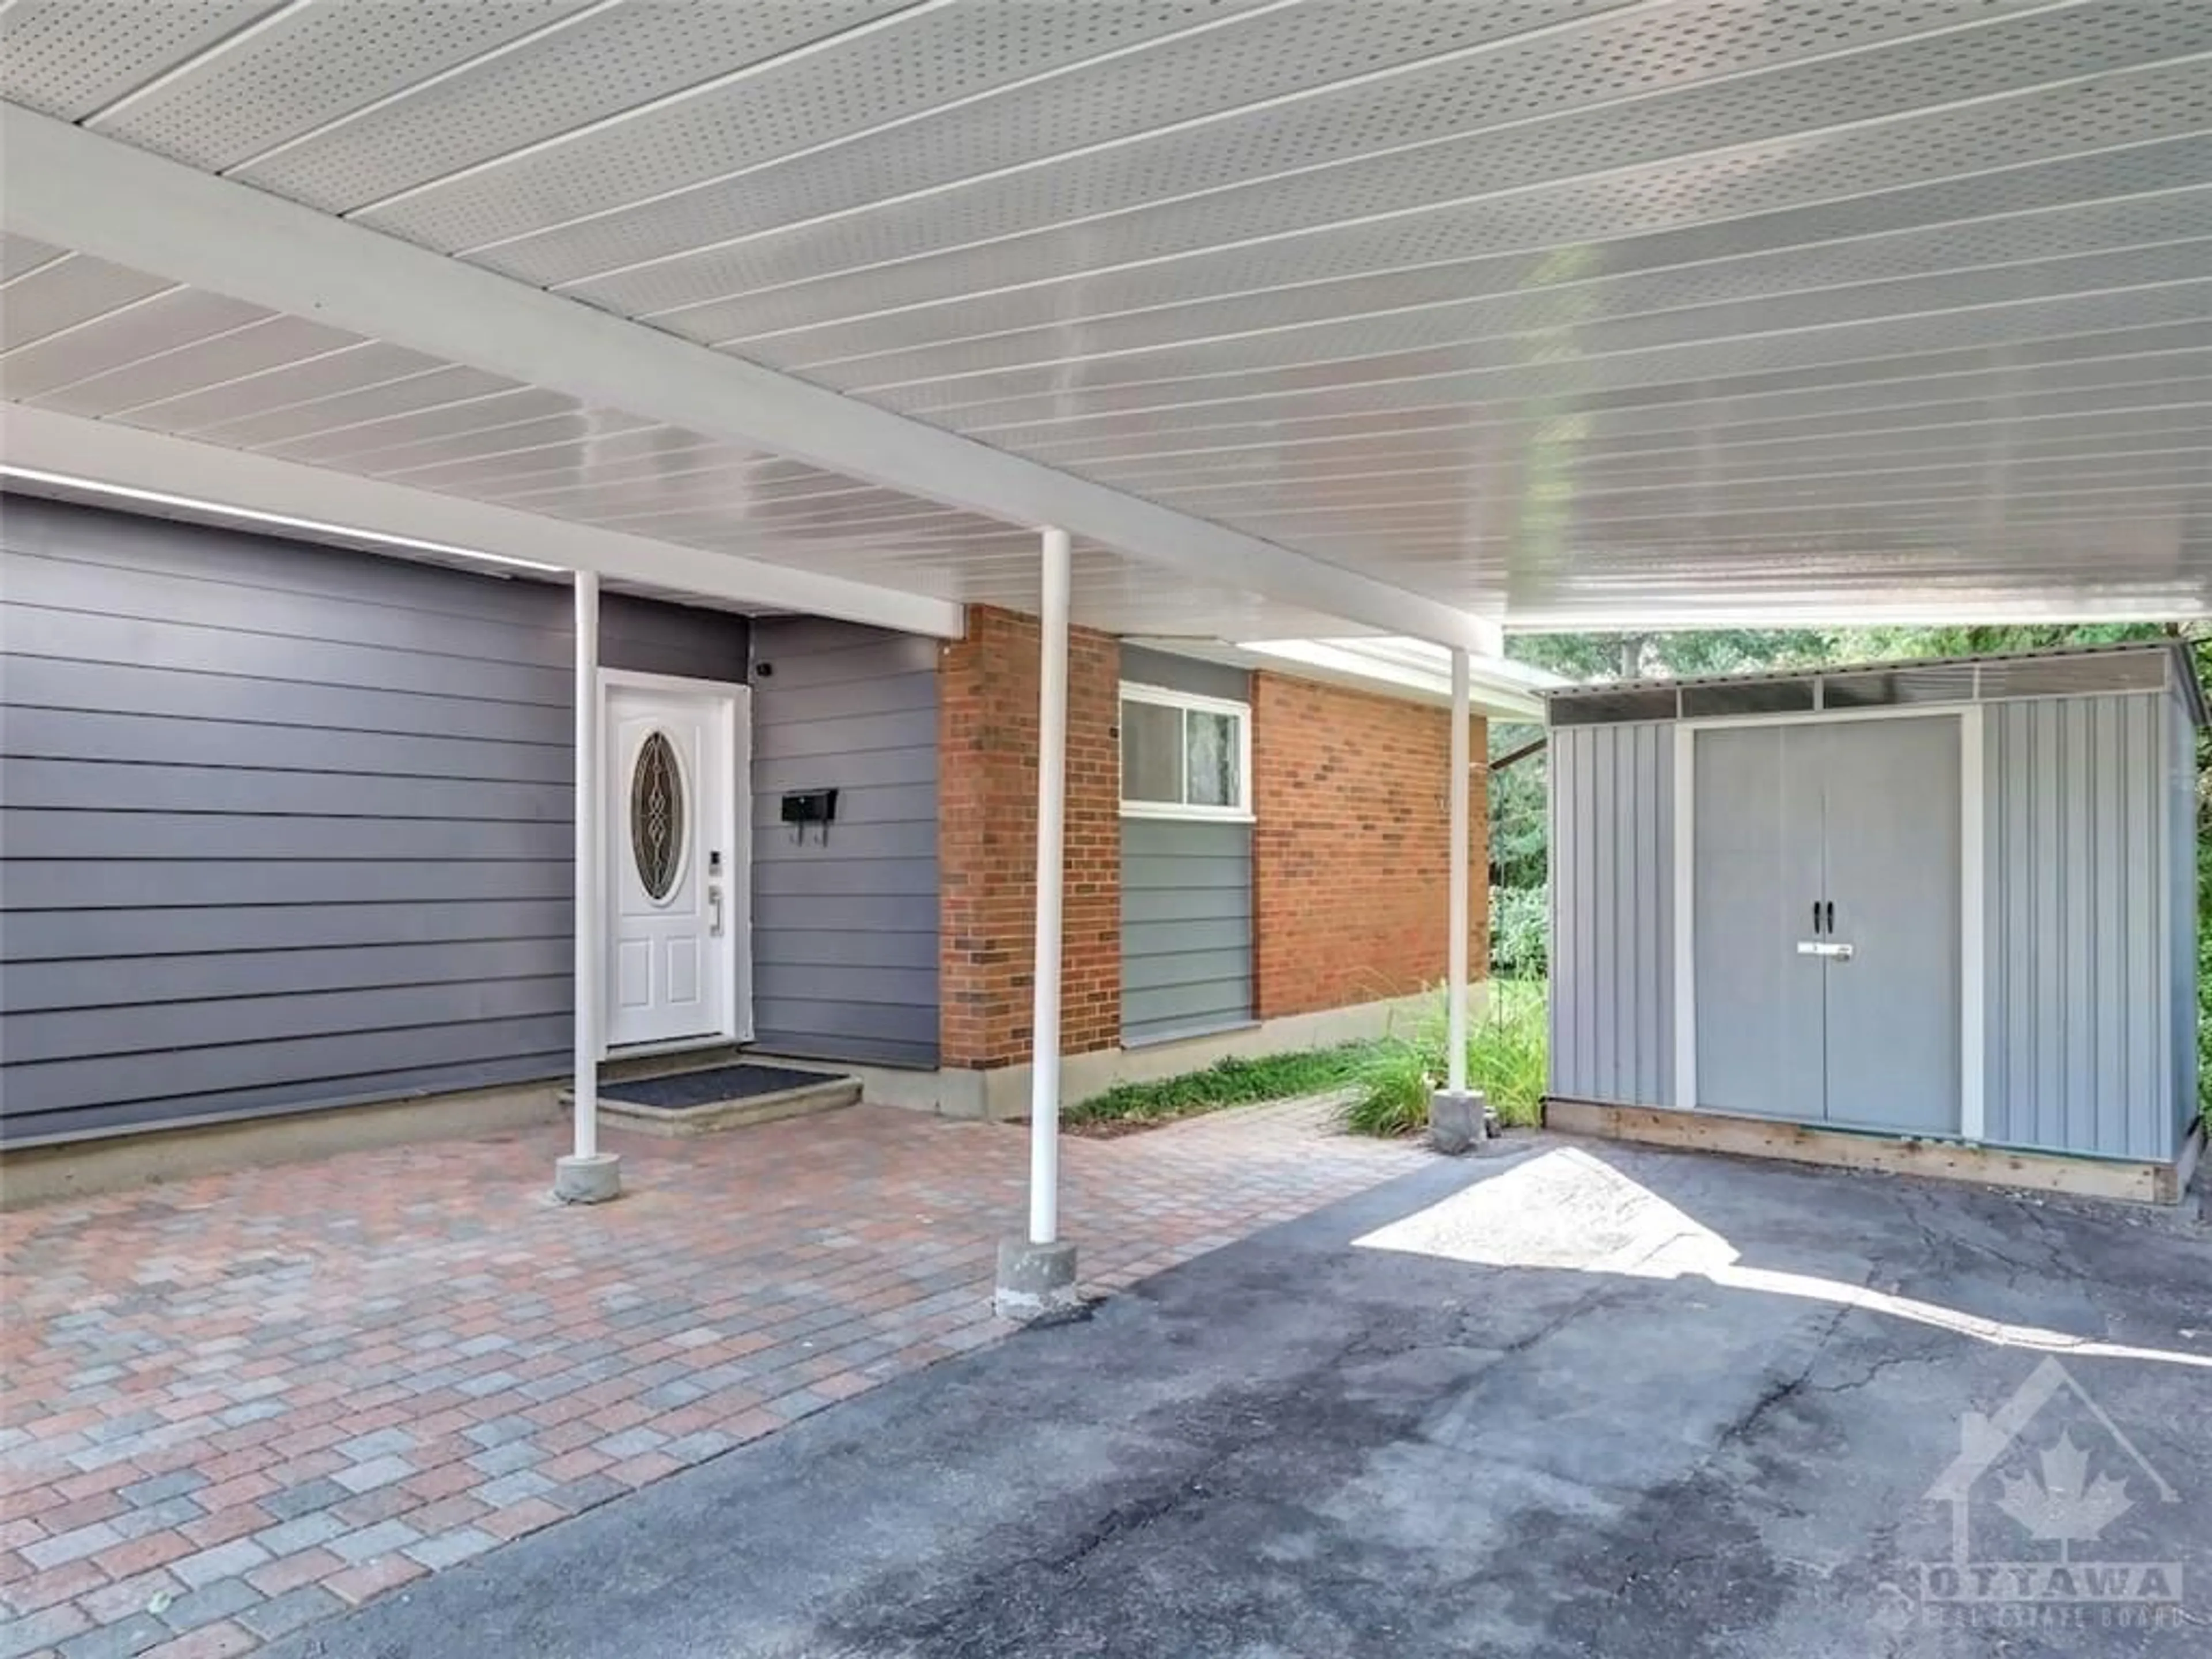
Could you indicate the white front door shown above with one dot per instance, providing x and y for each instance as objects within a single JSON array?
[{"x": 673, "y": 871}]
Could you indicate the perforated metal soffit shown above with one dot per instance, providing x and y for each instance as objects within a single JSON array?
[{"x": 1553, "y": 309}]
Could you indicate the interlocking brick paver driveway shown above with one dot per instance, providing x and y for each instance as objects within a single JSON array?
[{"x": 236, "y": 1404}]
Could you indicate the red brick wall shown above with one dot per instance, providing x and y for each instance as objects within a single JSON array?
[
  {"x": 987, "y": 842},
  {"x": 1350, "y": 854}
]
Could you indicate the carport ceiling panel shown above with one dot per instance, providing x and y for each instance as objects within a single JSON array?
[
  {"x": 1509, "y": 332},
  {"x": 2076, "y": 202},
  {"x": 584, "y": 67},
  {"x": 169, "y": 357},
  {"x": 1393, "y": 226},
  {"x": 924, "y": 58},
  {"x": 1433, "y": 136},
  {"x": 52, "y": 296},
  {"x": 381, "y": 398},
  {"x": 270, "y": 343},
  {"x": 2148, "y": 442},
  {"x": 1805, "y": 357},
  {"x": 172, "y": 319},
  {"x": 1235, "y": 57},
  {"x": 22, "y": 255},
  {"x": 70, "y": 58},
  {"x": 304, "y": 383},
  {"x": 2044, "y": 379},
  {"x": 305, "y": 64},
  {"x": 2182, "y": 418},
  {"x": 1524, "y": 294}
]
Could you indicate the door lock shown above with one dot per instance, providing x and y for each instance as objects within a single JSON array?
[{"x": 1821, "y": 947}]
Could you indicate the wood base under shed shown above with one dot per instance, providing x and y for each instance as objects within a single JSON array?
[{"x": 1992, "y": 1166}]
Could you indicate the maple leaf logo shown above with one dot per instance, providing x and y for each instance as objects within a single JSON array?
[{"x": 2064, "y": 1504}]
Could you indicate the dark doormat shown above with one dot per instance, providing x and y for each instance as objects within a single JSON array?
[{"x": 716, "y": 1086}]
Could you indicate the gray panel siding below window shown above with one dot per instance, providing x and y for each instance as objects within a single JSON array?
[
  {"x": 285, "y": 826},
  {"x": 1186, "y": 927},
  {"x": 845, "y": 932},
  {"x": 2081, "y": 1031},
  {"x": 1613, "y": 902}
]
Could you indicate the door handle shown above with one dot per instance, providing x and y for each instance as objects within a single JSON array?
[
  {"x": 1816, "y": 915},
  {"x": 1819, "y": 947},
  {"x": 1831, "y": 928},
  {"x": 714, "y": 898}
]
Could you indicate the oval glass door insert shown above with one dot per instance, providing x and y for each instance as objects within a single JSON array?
[{"x": 656, "y": 817}]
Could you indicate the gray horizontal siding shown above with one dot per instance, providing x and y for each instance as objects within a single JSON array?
[
  {"x": 1202, "y": 679},
  {"x": 2080, "y": 1011},
  {"x": 1612, "y": 882},
  {"x": 283, "y": 825},
  {"x": 1186, "y": 927},
  {"x": 1186, "y": 893},
  {"x": 845, "y": 934}
]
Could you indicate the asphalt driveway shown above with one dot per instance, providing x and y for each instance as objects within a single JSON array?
[{"x": 1583, "y": 1401}]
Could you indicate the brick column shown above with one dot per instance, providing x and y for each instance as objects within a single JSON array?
[
  {"x": 987, "y": 842},
  {"x": 1350, "y": 856}
]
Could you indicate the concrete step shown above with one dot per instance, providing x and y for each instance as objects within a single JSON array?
[{"x": 712, "y": 1116}]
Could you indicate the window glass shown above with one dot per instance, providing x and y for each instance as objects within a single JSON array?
[
  {"x": 656, "y": 817},
  {"x": 1212, "y": 757},
  {"x": 1939, "y": 682},
  {"x": 1748, "y": 697},
  {"x": 1604, "y": 707},
  {"x": 1151, "y": 752}
]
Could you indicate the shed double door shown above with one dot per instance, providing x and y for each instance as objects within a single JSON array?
[{"x": 1826, "y": 893}]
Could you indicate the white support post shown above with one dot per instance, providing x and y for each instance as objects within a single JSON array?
[
  {"x": 588, "y": 792},
  {"x": 1455, "y": 958},
  {"x": 587, "y": 1176},
  {"x": 1459, "y": 1118},
  {"x": 1051, "y": 824},
  {"x": 1036, "y": 1272}
]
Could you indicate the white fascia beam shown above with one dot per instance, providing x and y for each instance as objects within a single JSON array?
[
  {"x": 78, "y": 189},
  {"x": 1496, "y": 697},
  {"x": 50, "y": 448}
]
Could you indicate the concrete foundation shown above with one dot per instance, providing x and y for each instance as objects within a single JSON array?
[
  {"x": 79, "y": 1169},
  {"x": 1035, "y": 1280},
  {"x": 593, "y": 1180},
  {"x": 1459, "y": 1122},
  {"x": 671, "y": 1123}
]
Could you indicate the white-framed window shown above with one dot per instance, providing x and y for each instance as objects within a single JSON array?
[{"x": 1184, "y": 756}]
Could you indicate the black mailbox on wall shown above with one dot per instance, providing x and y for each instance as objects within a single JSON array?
[{"x": 803, "y": 807}]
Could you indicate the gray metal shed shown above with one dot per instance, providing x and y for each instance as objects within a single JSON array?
[{"x": 1947, "y": 900}]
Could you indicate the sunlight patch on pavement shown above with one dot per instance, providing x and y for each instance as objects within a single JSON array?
[{"x": 1567, "y": 1210}]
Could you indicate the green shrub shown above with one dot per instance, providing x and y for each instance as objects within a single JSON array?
[
  {"x": 1506, "y": 1050},
  {"x": 1520, "y": 932}
]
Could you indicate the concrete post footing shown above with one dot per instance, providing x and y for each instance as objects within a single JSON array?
[
  {"x": 593, "y": 1180},
  {"x": 1459, "y": 1122},
  {"x": 1035, "y": 1281}
]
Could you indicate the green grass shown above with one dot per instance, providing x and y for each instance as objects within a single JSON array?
[
  {"x": 1505, "y": 1059},
  {"x": 1225, "y": 1083}
]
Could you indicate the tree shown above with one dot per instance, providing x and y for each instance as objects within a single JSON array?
[{"x": 1656, "y": 655}]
